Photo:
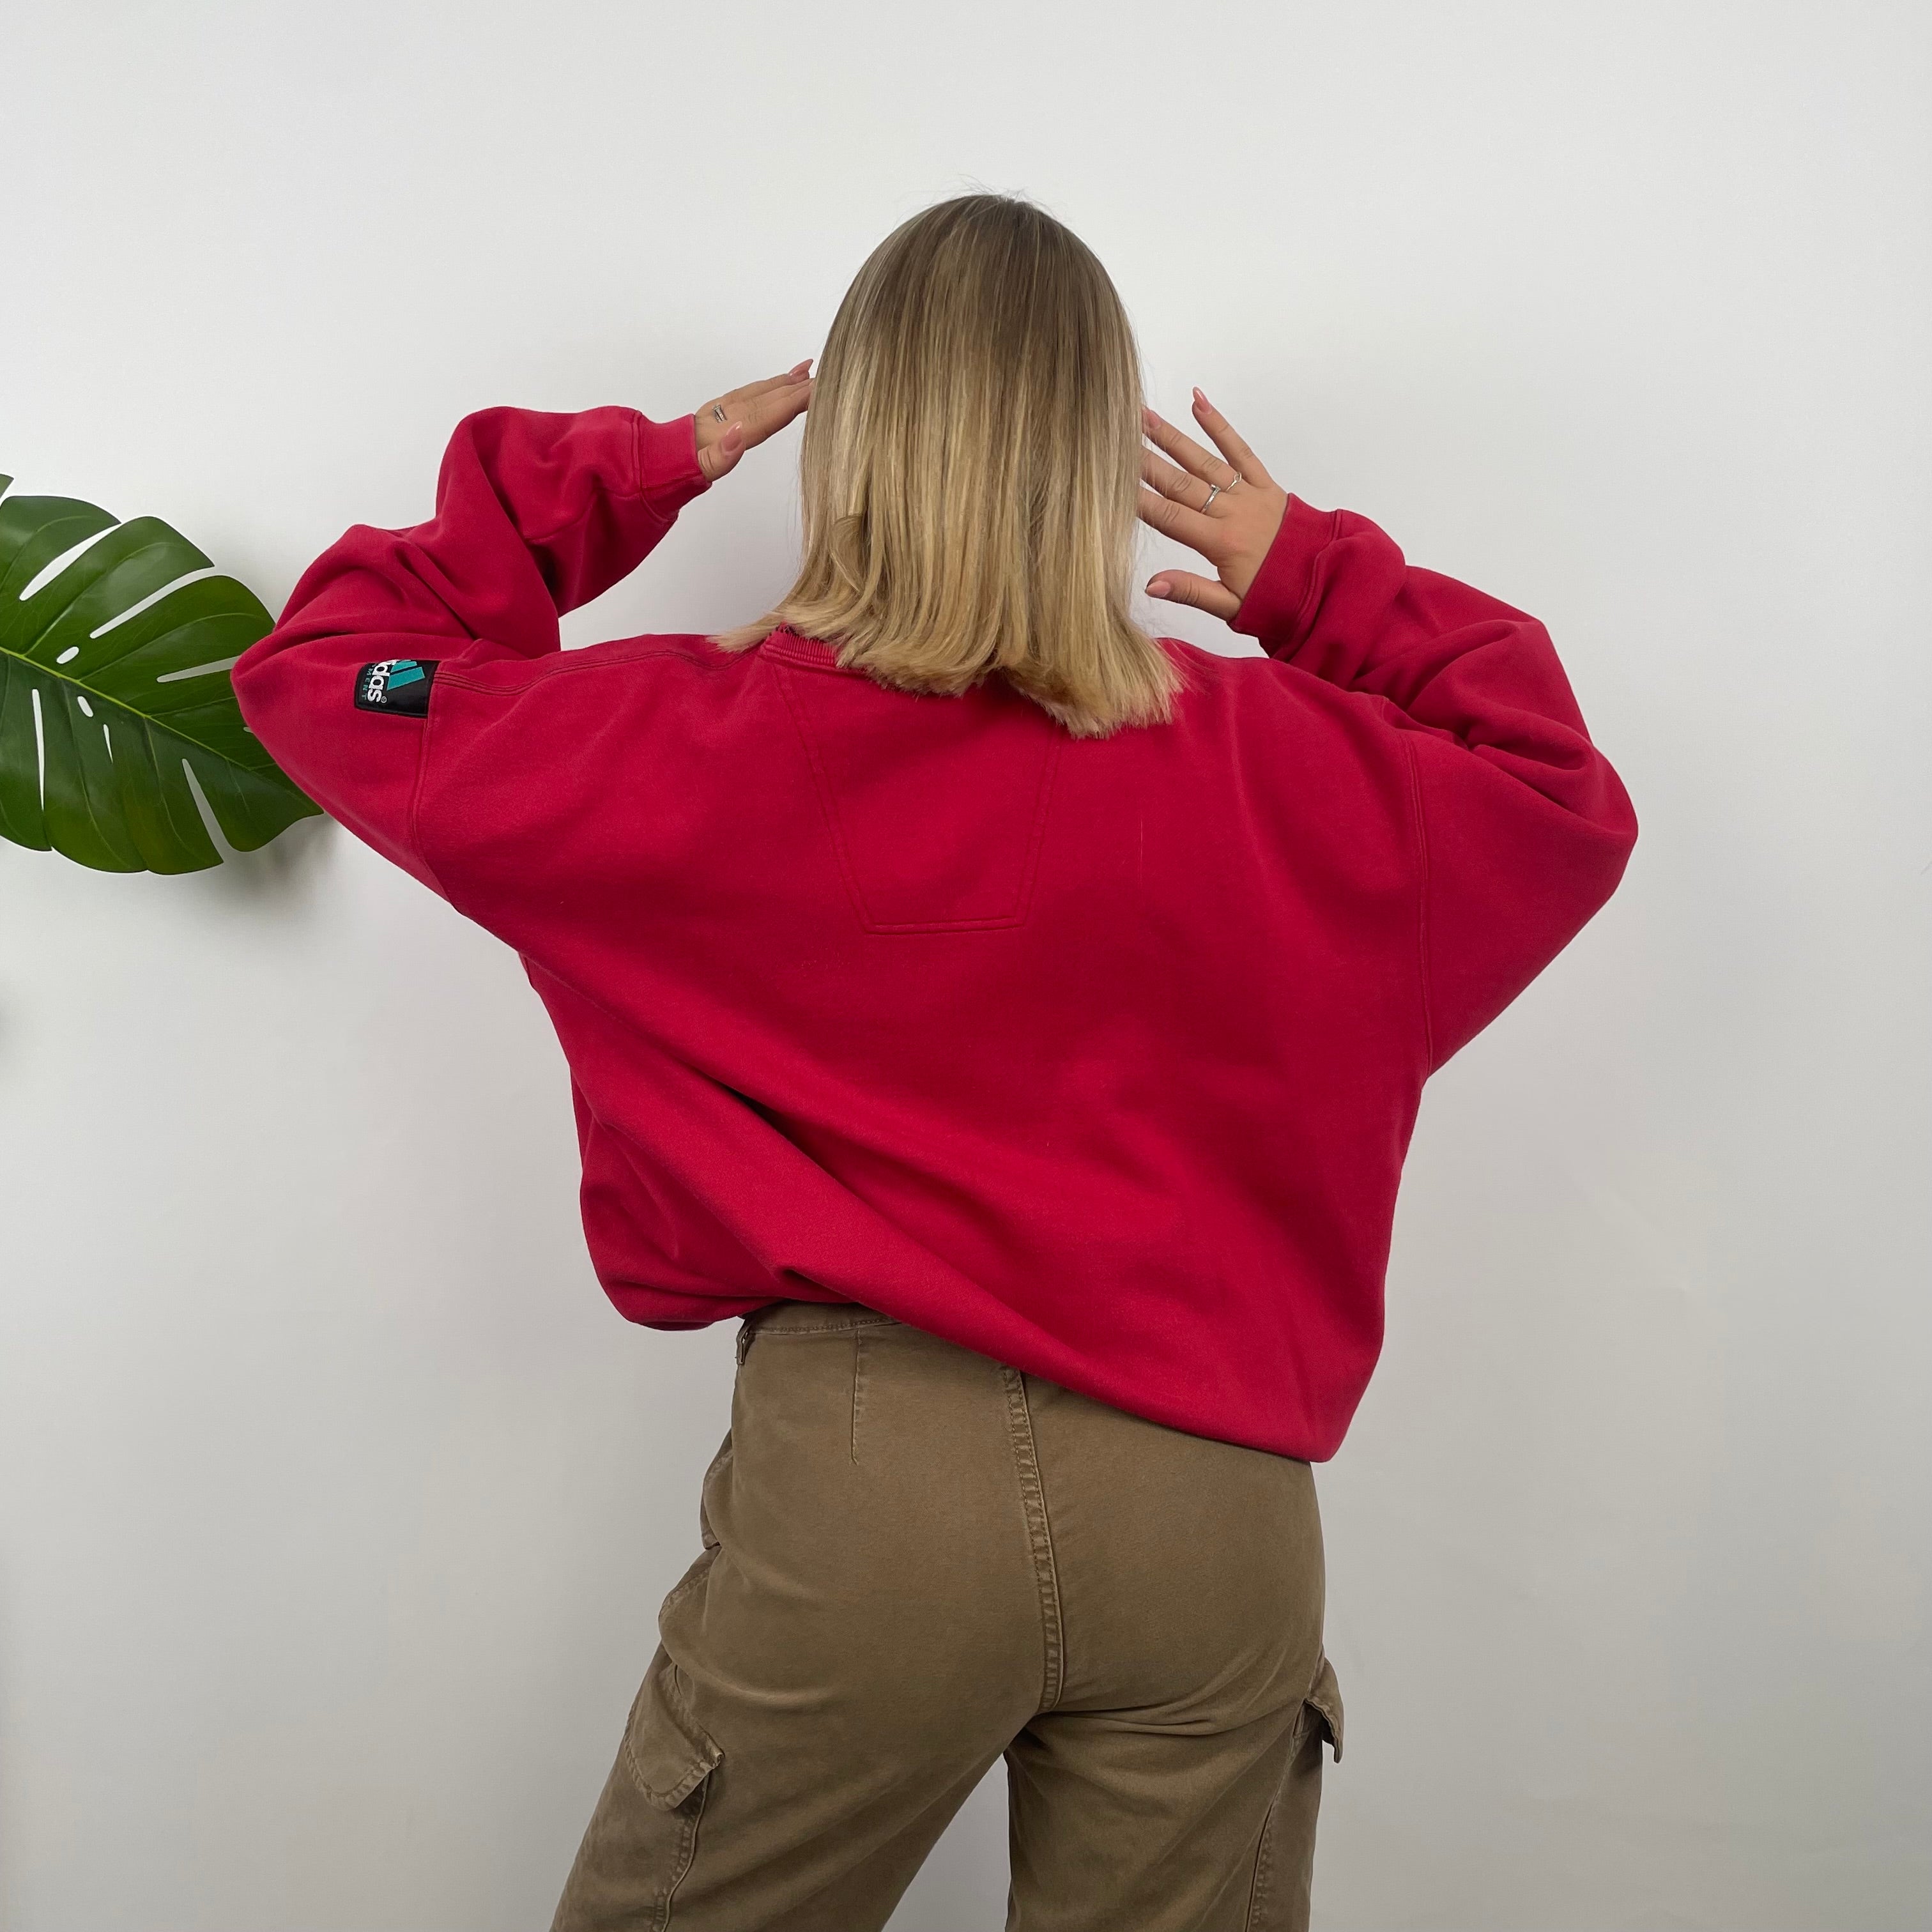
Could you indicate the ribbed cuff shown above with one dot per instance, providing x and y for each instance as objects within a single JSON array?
[
  {"x": 1276, "y": 609},
  {"x": 668, "y": 474}
]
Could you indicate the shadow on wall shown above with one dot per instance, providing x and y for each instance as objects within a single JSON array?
[{"x": 278, "y": 877}]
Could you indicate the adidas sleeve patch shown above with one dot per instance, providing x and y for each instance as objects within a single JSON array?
[{"x": 398, "y": 685}]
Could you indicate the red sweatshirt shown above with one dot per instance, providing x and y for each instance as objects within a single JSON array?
[{"x": 1099, "y": 1057}]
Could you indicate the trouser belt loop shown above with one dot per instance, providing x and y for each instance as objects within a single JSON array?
[{"x": 745, "y": 1333}]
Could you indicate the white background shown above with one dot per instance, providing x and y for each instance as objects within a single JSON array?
[{"x": 335, "y": 1502}]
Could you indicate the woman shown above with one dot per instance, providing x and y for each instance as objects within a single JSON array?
[{"x": 1017, "y": 1020}]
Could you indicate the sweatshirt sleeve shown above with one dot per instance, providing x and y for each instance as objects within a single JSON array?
[
  {"x": 1524, "y": 828},
  {"x": 536, "y": 514}
]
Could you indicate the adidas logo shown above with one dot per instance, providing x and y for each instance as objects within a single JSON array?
[{"x": 398, "y": 684}]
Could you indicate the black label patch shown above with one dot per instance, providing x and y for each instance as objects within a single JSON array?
[{"x": 399, "y": 685}]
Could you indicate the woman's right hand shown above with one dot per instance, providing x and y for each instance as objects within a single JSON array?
[{"x": 1228, "y": 507}]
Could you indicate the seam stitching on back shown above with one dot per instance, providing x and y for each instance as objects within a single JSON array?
[
  {"x": 1039, "y": 1535},
  {"x": 1022, "y": 908},
  {"x": 1258, "y": 1890},
  {"x": 558, "y": 663},
  {"x": 821, "y": 784}
]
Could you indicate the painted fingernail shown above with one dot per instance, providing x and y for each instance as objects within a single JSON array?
[
  {"x": 1201, "y": 401},
  {"x": 1159, "y": 587}
]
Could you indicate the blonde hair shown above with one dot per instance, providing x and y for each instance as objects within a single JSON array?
[{"x": 970, "y": 470}]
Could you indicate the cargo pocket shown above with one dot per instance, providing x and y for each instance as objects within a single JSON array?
[
  {"x": 670, "y": 1757},
  {"x": 705, "y": 1534},
  {"x": 1280, "y": 1898},
  {"x": 1323, "y": 1703},
  {"x": 669, "y": 1753},
  {"x": 700, "y": 1566},
  {"x": 642, "y": 1837}
]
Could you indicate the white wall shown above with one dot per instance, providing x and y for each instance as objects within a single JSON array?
[{"x": 336, "y": 1505}]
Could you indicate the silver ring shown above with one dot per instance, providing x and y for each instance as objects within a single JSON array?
[
  {"x": 1214, "y": 490},
  {"x": 717, "y": 410}
]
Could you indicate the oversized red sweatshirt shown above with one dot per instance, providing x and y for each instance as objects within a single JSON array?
[{"x": 1098, "y": 1056}]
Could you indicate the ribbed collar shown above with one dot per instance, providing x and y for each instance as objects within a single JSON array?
[{"x": 786, "y": 643}]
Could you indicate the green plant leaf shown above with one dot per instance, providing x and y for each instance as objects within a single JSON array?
[{"x": 125, "y": 702}]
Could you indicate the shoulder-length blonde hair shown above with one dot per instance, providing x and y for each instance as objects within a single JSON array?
[{"x": 970, "y": 470}]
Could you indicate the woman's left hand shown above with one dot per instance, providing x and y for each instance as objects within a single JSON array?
[
  {"x": 729, "y": 424},
  {"x": 1227, "y": 507}
]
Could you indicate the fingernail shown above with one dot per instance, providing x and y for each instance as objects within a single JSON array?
[
  {"x": 1201, "y": 401},
  {"x": 1159, "y": 587}
]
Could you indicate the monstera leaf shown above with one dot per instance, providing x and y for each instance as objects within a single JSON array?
[{"x": 114, "y": 683}]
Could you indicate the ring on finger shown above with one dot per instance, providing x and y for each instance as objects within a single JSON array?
[
  {"x": 717, "y": 410},
  {"x": 1214, "y": 490}
]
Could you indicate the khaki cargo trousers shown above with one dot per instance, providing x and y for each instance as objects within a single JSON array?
[{"x": 917, "y": 1560}]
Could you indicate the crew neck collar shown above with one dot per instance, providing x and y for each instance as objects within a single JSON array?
[{"x": 785, "y": 642}]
